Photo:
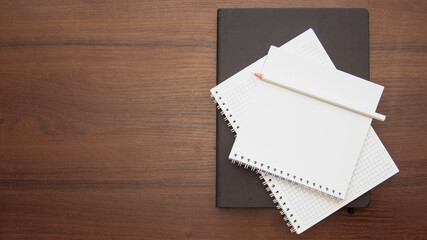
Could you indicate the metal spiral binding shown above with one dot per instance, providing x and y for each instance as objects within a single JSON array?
[
  {"x": 295, "y": 181},
  {"x": 283, "y": 211},
  {"x": 226, "y": 119},
  {"x": 246, "y": 166}
]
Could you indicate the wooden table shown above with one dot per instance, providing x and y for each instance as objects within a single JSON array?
[{"x": 107, "y": 130}]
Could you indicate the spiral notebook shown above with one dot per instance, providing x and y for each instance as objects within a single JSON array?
[
  {"x": 374, "y": 166},
  {"x": 300, "y": 138}
]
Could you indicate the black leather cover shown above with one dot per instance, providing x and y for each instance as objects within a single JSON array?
[{"x": 244, "y": 36}]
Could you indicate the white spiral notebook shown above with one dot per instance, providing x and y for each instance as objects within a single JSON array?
[
  {"x": 300, "y": 138},
  {"x": 233, "y": 96}
]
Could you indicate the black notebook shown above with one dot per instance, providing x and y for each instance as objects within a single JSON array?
[{"x": 243, "y": 37}]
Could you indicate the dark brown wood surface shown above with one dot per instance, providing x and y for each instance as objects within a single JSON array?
[{"x": 107, "y": 130}]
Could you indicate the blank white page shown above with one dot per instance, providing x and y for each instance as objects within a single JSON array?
[{"x": 299, "y": 138}]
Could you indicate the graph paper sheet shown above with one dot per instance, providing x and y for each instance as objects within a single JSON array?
[
  {"x": 304, "y": 208},
  {"x": 233, "y": 95}
]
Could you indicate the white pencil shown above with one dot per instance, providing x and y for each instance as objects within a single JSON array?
[{"x": 335, "y": 102}]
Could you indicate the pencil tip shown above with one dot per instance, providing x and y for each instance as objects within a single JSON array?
[{"x": 259, "y": 75}]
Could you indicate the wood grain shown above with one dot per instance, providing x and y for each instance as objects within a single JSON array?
[{"x": 107, "y": 130}]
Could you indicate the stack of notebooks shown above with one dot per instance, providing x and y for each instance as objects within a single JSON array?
[{"x": 301, "y": 124}]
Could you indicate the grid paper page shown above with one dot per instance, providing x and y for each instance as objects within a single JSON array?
[
  {"x": 305, "y": 208},
  {"x": 234, "y": 94}
]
